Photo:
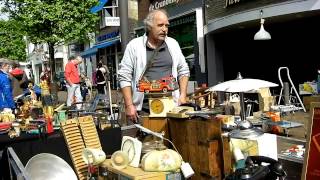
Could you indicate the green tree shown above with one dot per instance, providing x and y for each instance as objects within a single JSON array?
[
  {"x": 54, "y": 21},
  {"x": 12, "y": 45}
]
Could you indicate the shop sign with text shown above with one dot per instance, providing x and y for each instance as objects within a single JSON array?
[
  {"x": 112, "y": 21},
  {"x": 107, "y": 36},
  {"x": 232, "y": 2},
  {"x": 162, "y": 4}
]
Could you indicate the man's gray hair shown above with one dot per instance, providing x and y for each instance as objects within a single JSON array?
[
  {"x": 4, "y": 62},
  {"x": 79, "y": 58},
  {"x": 148, "y": 21}
]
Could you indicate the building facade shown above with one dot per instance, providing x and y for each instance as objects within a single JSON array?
[
  {"x": 38, "y": 54},
  {"x": 231, "y": 48},
  {"x": 107, "y": 45}
]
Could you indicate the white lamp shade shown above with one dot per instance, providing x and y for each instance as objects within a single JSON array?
[{"x": 262, "y": 34}]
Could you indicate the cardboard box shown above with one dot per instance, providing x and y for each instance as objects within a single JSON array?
[
  {"x": 309, "y": 99},
  {"x": 264, "y": 92},
  {"x": 308, "y": 88},
  {"x": 264, "y": 145},
  {"x": 265, "y": 99},
  {"x": 266, "y": 102}
]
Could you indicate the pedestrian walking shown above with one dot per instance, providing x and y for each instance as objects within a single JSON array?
[
  {"x": 102, "y": 77},
  {"x": 72, "y": 77}
]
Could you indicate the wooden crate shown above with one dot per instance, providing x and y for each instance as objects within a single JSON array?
[
  {"x": 227, "y": 156},
  {"x": 199, "y": 142},
  {"x": 307, "y": 100},
  {"x": 156, "y": 124}
]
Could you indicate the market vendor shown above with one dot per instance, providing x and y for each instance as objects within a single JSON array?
[{"x": 167, "y": 59}]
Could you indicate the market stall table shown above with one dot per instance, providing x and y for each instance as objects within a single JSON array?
[{"x": 26, "y": 146}]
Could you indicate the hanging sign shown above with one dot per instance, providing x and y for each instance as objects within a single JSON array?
[{"x": 112, "y": 21}]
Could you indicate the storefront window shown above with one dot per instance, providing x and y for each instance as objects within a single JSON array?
[{"x": 183, "y": 30}]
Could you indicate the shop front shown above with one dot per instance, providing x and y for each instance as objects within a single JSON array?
[
  {"x": 106, "y": 49},
  {"x": 109, "y": 48},
  {"x": 231, "y": 47}
]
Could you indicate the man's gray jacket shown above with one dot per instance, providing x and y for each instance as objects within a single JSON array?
[{"x": 134, "y": 62}]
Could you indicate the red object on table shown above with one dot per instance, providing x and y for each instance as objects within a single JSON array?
[
  {"x": 5, "y": 125},
  {"x": 49, "y": 125}
]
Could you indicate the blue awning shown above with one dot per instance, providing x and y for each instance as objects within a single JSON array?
[
  {"x": 106, "y": 43},
  {"x": 98, "y": 7},
  {"x": 93, "y": 50},
  {"x": 89, "y": 52}
]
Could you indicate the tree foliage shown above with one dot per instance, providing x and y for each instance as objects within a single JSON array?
[
  {"x": 12, "y": 45},
  {"x": 54, "y": 21}
]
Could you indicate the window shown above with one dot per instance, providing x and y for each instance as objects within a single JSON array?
[{"x": 109, "y": 10}]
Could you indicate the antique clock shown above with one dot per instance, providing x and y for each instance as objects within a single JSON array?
[
  {"x": 160, "y": 106},
  {"x": 132, "y": 147}
]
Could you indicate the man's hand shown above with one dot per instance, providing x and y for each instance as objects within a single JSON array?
[
  {"x": 183, "y": 83},
  {"x": 131, "y": 113},
  {"x": 182, "y": 99},
  {"x": 70, "y": 83}
]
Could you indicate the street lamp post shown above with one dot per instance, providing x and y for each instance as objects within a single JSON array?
[{"x": 124, "y": 25}]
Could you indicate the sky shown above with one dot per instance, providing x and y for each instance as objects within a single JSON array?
[{"x": 3, "y": 15}]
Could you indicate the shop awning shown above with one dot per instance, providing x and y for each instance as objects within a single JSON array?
[
  {"x": 89, "y": 52},
  {"x": 98, "y": 7},
  {"x": 107, "y": 43}
]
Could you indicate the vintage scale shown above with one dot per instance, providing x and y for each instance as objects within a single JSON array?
[{"x": 159, "y": 94}]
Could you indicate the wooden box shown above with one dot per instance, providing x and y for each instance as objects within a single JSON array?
[
  {"x": 309, "y": 99},
  {"x": 156, "y": 124},
  {"x": 199, "y": 142}
]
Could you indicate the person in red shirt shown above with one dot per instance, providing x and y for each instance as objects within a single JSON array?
[
  {"x": 72, "y": 77},
  {"x": 19, "y": 80}
]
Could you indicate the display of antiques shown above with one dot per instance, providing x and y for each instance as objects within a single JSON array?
[
  {"x": 6, "y": 120},
  {"x": 195, "y": 127},
  {"x": 26, "y": 118},
  {"x": 151, "y": 155},
  {"x": 31, "y": 116}
]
